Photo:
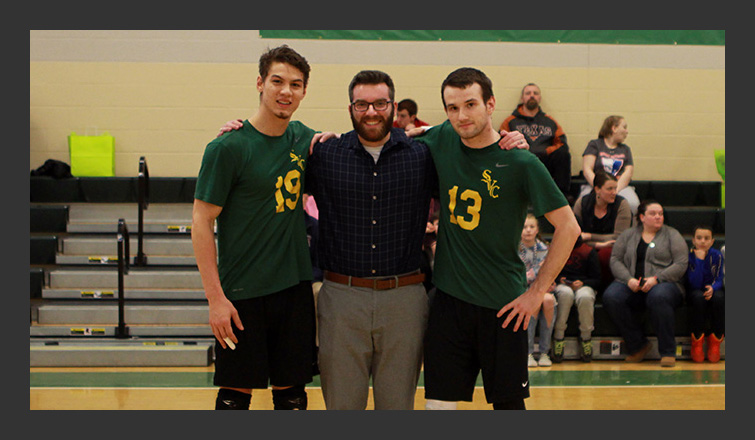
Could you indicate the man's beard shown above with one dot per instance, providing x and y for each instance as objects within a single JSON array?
[
  {"x": 375, "y": 133},
  {"x": 531, "y": 104}
]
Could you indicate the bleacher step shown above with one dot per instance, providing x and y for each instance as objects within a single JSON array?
[
  {"x": 120, "y": 353},
  {"x": 136, "y": 279},
  {"x": 103, "y": 217},
  {"x": 90, "y": 331},
  {"x": 92, "y": 314},
  {"x": 108, "y": 259},
  {"x": 613, "y": 348},
  {"x": 99, "y": 245},
  {"x": 130, "y": 294}
]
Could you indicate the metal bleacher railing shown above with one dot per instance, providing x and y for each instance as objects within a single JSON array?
[
  {"x": 143, "y": 202},
  {"x": 121, "y": 331}
]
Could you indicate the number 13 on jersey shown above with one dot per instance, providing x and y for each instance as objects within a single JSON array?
[{"x": 473, "y": 208}]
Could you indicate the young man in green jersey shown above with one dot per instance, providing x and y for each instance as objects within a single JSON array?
[
  {"x": 482, "y": 299},
  {"x": 258, "y": 279}
]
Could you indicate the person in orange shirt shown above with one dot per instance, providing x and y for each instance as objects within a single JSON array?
[{"x": 545, "y": 136}]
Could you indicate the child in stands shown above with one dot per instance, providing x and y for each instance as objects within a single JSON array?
[
  {"x": 578, "y": 283},
  {"x": 705, "y": 295},
  {"x": 532, "y": 251}
]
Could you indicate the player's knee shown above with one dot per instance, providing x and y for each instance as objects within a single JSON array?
[
  {"x": 229, "y": 399},
  {"x": 292, "y": 398}
]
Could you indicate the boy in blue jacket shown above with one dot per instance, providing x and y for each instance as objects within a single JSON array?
[{"x": 705, "y": 294}]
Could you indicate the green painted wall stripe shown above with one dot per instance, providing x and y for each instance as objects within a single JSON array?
[
  {"x": 537, "y": 379},
  {"x": 662, "y": 37}
]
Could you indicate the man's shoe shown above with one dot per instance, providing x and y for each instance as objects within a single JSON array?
[
  {"x": 668, "y": 361},
  {"x": 639, "y": 355},
  {"x": 558, "y": 350},
  {"x": 544, "y": 360},
  {"x": 696, "y": 352},
  {"x": 586, "y": 349},
  {"x": 531, "y": 362},
  {"x": 714, "y": 348}
]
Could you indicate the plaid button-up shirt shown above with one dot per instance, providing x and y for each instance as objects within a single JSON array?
[{"x": 372, "y": 216}]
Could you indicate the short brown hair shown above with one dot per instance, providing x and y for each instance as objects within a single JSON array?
[
  {"x": 372, "y": 77},
  {"x": 283, "y": 54},
  {"x": 464, "y": 77}
]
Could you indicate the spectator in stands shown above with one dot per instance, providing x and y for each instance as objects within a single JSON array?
[
  {"x": 545, "y": 136},
  {"x": 603, "y": 215},
  {"x": 705, "y": 294},
  {"x": 428, "y": 250},
  {"x": 609, "y": 153},
  {"x": 532, "y": 251},
  {"x": 311, "y": 223},
  {"x": 578, "y": 283},
  {"x": 723, "y": 254},
  {"x": 406, "y": 116},
  {"x": 648, "y": 263}
]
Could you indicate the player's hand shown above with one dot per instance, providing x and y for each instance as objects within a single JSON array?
[
  {"x": 322, "y": 137},
  {"x": 523, "y": 308},
  {"x": 513, "y": 139},
  {"x": 416, "y": 131},
  {"x": 230, "y": 126},
  {"x": 222, "y": 315}
]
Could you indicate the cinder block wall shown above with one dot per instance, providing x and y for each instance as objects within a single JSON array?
[{"x": 165, "y": 94}]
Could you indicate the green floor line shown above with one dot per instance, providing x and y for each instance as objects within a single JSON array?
[{"x": 537, "y": 379}]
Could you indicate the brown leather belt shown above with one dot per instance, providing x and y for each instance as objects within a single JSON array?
[{"x": 376, "y": 283}]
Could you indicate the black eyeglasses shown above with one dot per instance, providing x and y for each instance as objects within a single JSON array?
[{"x": 379, "y": 105}]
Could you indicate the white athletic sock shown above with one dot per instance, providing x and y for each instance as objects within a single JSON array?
[{"x": 431, "y": 404}]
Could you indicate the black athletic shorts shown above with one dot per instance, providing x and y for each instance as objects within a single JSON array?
[
  {"x": 277, "y": 345},
  {"x": 462, "y": 339}
]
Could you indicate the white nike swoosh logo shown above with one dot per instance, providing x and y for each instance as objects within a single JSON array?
[
  {"x": 524, "y": 384},
  {"x": 499, "y": 165}
]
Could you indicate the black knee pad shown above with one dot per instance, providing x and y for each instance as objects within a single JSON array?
[
  {"x": 290, "y": 398},
  {"x": 517, "y": 404},
  {"x": 229, "y": 399}
]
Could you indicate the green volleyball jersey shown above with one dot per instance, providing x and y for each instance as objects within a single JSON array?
[
  {"x": 485, "y": 195},
  {"x": 258, "y": 180}
]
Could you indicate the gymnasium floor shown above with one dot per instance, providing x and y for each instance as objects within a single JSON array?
[{"x": 571, "y": 385}]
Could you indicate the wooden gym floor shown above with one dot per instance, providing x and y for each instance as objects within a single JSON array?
[{"x": 571, "y": 385}]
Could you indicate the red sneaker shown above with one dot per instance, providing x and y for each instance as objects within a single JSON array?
[
  {"x": 697, "y": 353},
  {"x": 714, "y": 348}
]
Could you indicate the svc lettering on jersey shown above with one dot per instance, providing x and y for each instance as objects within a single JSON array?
[
  {"x": 469, "y": 219},
  {"x": 292, "y": 184}
]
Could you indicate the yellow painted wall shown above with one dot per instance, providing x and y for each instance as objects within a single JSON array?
[{"x": 169, "y": 111}]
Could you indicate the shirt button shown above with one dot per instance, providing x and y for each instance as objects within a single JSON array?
[
  {"x": 374, "y": 222},
  {"x": 373, "y": 271},
  {"x": 374, "y": 173},
  {"x": 374, "y": 197},
  {"x": 373, "y": 246}
]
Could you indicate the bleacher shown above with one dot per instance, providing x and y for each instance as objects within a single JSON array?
[
  {"x": 78, "y": 319},
  {"x": 76, "y": 278}
]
